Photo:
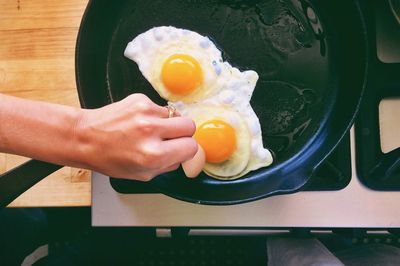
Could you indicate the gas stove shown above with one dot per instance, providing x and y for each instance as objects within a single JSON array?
[{"x": 356, "y": 186}]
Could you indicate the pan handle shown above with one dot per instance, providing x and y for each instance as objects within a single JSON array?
[{"x": 19, "y": 179}]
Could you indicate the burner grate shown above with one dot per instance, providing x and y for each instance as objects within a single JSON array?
[{"x": 376, "y": 169}]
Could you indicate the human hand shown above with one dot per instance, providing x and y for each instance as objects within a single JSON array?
[{"x": 134, "y": 139}]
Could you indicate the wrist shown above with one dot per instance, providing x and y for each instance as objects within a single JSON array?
[{"x": 82, "y": 140}]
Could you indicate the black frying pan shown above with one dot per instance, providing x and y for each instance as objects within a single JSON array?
[{"x": 311, "y": 57}]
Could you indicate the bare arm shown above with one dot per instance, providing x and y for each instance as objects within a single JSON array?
[
  {"x": 38, "y": 130},
  {"x": 130, "y": 139}
]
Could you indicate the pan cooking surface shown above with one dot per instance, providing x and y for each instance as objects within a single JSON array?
[{"x": 274, "y": 38}]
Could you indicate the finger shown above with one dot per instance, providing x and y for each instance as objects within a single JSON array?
[
  {"x": 178, "y": 150},
  {"x": 147, "y": 106},
  {"x": 170, "y": 168},
  {"x": 164, "y": 111},
  {"x": 150, "y": 107},
  {"x": 160, "y": 111},
  {"x": 177, "y": 127},
  {"x": 177, "y": 114}
]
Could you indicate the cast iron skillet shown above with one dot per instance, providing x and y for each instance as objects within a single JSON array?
[{"x": 311, "y": 57}]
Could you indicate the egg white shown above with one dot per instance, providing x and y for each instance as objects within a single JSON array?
[{"x": 239, "y": 159}]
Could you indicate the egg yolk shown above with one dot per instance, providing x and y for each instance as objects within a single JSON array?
[
  {"x": 181, "y": 74},
  {"x": 218, "y": 140}
]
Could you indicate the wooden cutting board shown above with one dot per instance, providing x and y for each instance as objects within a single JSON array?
[{"x": 37, "y": 49}]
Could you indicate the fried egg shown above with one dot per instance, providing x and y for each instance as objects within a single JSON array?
[
  {"x": 188, "y": 71},
  {"x": 231, "y": 105},
  {"x": 224, "y": 137},
  {"x": 181, "y": 65}
]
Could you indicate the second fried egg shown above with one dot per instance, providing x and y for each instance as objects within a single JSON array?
[{"x": 224, "y": 137}]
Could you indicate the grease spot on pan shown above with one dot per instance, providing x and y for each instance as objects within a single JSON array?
[{"x": 288, "y": 113}]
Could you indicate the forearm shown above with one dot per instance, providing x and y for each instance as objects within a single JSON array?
[{"x": 39, "y": 130}]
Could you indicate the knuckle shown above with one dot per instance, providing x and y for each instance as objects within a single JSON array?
[
  {"x": 143, "y": 106},
  {"x": 145, "y": 126},
  {"x": 139, "y": 96},
  {"x": 135, "y": 97},
  {"x": 156, "y": 156},
  {"x": 152, "y": 157},
  {"x": 143, "y": 103}
]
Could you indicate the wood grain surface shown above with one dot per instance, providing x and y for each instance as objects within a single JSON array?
[{"x": 37, "y": 47}]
